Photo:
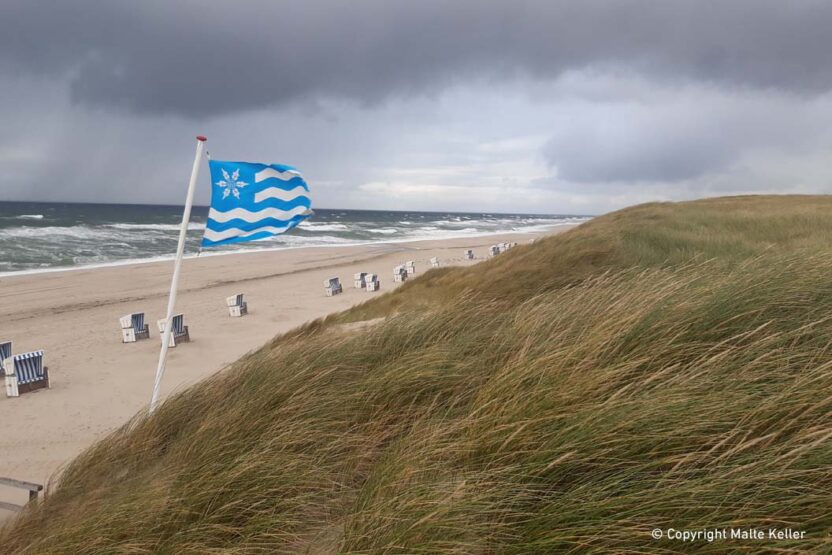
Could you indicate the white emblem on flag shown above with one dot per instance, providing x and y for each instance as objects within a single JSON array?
[{"x": 231, "y": 185}]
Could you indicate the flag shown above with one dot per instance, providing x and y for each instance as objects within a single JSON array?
[{"x": 253, "y": 201}]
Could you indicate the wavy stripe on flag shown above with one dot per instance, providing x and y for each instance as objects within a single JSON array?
[
  {"x": 234, "y": 232},
  {"x": 280, "y": 194},
  {"x": 252, "y": 237},
  {"x": 251, "y": 217},
  {"x": 273, "y": 203},
  {"x": 269, "y": 173},
  {"x": 246, "y": 226}
]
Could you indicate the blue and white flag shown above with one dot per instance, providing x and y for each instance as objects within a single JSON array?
[{"x": 253, "y": 201}]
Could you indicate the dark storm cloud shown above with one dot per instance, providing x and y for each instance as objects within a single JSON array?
[{"x": 196, "y": 58}]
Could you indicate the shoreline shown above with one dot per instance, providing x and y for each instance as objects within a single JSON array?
[
  {"x": 542, "y": 229},
  {"x": 98, "y": 382}
]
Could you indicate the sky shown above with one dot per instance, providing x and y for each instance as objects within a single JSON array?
[{"x": 536, "y": 106}]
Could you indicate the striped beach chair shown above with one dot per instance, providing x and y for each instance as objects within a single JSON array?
[
  {"x": 371, "y": 283},
  {"x": 133, "y": 328},
  {"x": 399, "y": 273},
  {"x": 332, "y": 286},
  {"x": 25, "y": 372},
  {"x": 236, "y": 305},
  {"x": 434, "y": 262},
  {"x": 360, "y": 280},
  {"x": 179, "y": 331},
  {"x": 5, "y": 352}
]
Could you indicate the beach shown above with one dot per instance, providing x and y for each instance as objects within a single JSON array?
[{"x": 98, "y": 382}]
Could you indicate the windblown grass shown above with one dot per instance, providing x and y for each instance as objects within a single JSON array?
[{"x": 665, "y": 366}]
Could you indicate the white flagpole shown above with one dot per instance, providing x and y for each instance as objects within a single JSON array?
[{"x": 180, "y": 250}]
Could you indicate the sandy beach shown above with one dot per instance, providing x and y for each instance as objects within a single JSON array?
[{"x": 98, "y": 382}]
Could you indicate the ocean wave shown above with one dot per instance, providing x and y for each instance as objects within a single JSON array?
[
  {"x": 313, "y": 226},
  {"x": 29, "y": 217},
  {"x": 25, "y": 247},
  {"x": 76, "y": 232},
  {"x": 156, "y": 227}
]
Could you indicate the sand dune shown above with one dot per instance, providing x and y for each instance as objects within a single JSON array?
[{"x": 99, "y": 382}]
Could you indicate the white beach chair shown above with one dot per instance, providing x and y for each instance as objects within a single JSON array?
[
  {"x": 179, "y": 331},
  {"x": 25, "y": 372},
  {"x": 469, "y": 254},
  {"x": 133, "y": 328},
  {"x": 410, "y": 267},
  {"x": 371, "y": 283},
  {"x": 236, "y": 305},
  {"x": 360, "y": 280},
  {"x": 493, "y": 250},
  {"x": 332, "y": 286},
  {"x": 399, "y": 274},
  {"x": 434, "y": 262}
]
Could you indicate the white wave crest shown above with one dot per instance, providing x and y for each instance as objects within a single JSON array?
[
  {"x": 74, "y": 232},
  {"x": 156, "y": 227},
  {"x": 314, "y": 226}
]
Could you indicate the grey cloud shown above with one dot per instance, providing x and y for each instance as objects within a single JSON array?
[
  {"x": 199, "y": 58},
  {"x": 681, "y": 134}
]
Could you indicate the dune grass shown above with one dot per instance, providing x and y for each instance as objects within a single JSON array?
[{"x": 669, "y": 365}]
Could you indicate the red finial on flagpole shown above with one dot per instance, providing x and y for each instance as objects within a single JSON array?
[{"x": 201, "y": 138}]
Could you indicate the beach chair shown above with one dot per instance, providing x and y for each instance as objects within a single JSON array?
[
  {"x": 133, "y": 328},
  {"x": 360, "y": 280},
  {"x": 493, "y": 250},
  {"x": 179, "y": 332},
  {"x": 33, "y": 489},
  {"x": 236, "y": 305},
  {"x": 5, "y": 352},
  {"x": 371, "y": 283},
  {"x": 332, "y": 286},
  {"x": 434, "y": 262},
  {"x": 24, "y": 373},
  {"x": 469, "y": 255},
  {"x": 410, "y": 267},
  {"x": 399, "y": 274}
]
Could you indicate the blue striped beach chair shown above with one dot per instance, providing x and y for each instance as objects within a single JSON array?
[
  {"x": 133, "y": 328},
  {"x": 5, "y": 352},
  {"x": 179, "y": 331},
  {"x": 25, "y": 372},
  {"x": 332, "y": 286},
  {"x": 236, "y": 305}
]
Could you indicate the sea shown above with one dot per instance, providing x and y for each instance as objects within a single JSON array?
[{"x": 42, "y": 237}]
